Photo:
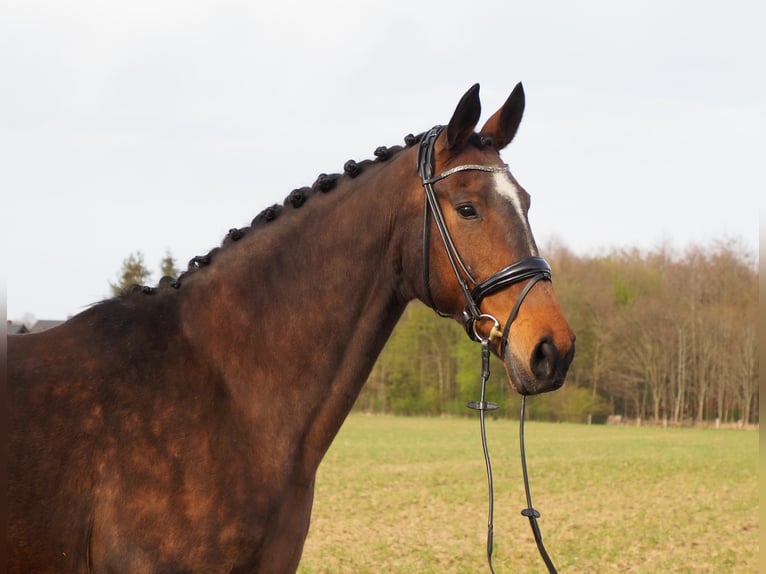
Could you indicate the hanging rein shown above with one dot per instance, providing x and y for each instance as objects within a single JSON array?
[{"x": 532, "y": 269}]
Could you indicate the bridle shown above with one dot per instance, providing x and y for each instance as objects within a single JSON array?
[{"x": 531, "y": 268}]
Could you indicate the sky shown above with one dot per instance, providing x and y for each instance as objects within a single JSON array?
[{"x": 157, "y": 125}]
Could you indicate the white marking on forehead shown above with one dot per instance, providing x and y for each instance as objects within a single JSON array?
[{"x": 507, "y": 188}]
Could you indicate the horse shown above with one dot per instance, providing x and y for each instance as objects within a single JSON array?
[{"x": 179, "y": 428}]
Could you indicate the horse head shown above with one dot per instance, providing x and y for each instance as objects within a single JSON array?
[{"x": 480, "y": 260}]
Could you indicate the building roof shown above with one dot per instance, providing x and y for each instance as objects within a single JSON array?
[{"x": 18, "y": 327}]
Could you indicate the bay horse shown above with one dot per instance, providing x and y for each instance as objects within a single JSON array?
[{"x": 179, "y": 428}]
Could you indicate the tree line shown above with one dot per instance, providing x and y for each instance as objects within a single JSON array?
[{"x": 662, "y": 336}]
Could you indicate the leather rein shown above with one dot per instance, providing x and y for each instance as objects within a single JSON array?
[{"x": 531, "y": 268}]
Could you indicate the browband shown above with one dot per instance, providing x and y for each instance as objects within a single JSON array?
[{"x": 467, "y": 167}]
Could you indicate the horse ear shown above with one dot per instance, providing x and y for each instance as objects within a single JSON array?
[
  {"x": 464, "y": 119},
  {"x": 502, "y": 126}
]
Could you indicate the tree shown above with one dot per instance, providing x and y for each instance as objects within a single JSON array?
[
  {"x": 133, "y": 272},
  {"x": 168, "y": 266}
]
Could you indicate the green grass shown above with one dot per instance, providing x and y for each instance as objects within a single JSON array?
[{"x": 410, "y": 495}]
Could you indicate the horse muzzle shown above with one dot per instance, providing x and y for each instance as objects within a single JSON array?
[
  {"x": 537, "y": 368},
  {"x": 544, "y": 369}
]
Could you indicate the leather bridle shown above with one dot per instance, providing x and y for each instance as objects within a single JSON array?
[{"x": 533, "y": 268}]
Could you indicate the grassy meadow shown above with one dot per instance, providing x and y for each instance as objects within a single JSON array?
[{"x": 409, "y": 495}]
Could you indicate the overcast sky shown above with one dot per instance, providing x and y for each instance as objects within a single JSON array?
[{"x": 158, "y": 125}]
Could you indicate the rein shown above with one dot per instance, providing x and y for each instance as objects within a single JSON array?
[
  {"x": 482, "y": 406},
  {"x": 532, "y": 269}
]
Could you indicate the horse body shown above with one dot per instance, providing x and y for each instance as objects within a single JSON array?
[
  {"x": 180, "y": 430},
  {"x": 220, "y": 448}
]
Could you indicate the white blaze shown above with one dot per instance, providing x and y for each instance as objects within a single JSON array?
[{"x": 507, "y": 188}]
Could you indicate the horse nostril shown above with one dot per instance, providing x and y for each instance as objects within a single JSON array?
[
  {"x": 544, "y": 360},
  {"x": 548, "y": 363}
]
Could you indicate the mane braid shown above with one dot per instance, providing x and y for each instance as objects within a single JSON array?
[
  {"x": 323, "y": 184},
  {"x": 298, "y": 197},
  {"x": 352, "y": 168},
  {"x": 410, "y": 140},
  {"x": 382, "y": 153}
]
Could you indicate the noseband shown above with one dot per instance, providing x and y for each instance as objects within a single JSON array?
[{"x": 532, "y": 268}]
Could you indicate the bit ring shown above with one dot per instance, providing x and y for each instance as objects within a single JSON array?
[{"x": 494, "y": 332}]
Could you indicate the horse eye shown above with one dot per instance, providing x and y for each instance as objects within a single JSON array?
[{"x": 466, "y": 211}]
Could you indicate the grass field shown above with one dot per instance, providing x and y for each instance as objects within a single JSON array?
[{"x": 409, "y": 495}]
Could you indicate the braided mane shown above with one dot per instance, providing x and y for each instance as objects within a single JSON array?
[{"x": 296, "y": 199}]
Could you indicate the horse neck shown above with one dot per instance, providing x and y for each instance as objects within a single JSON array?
[{"x": 295, "y": 314}]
